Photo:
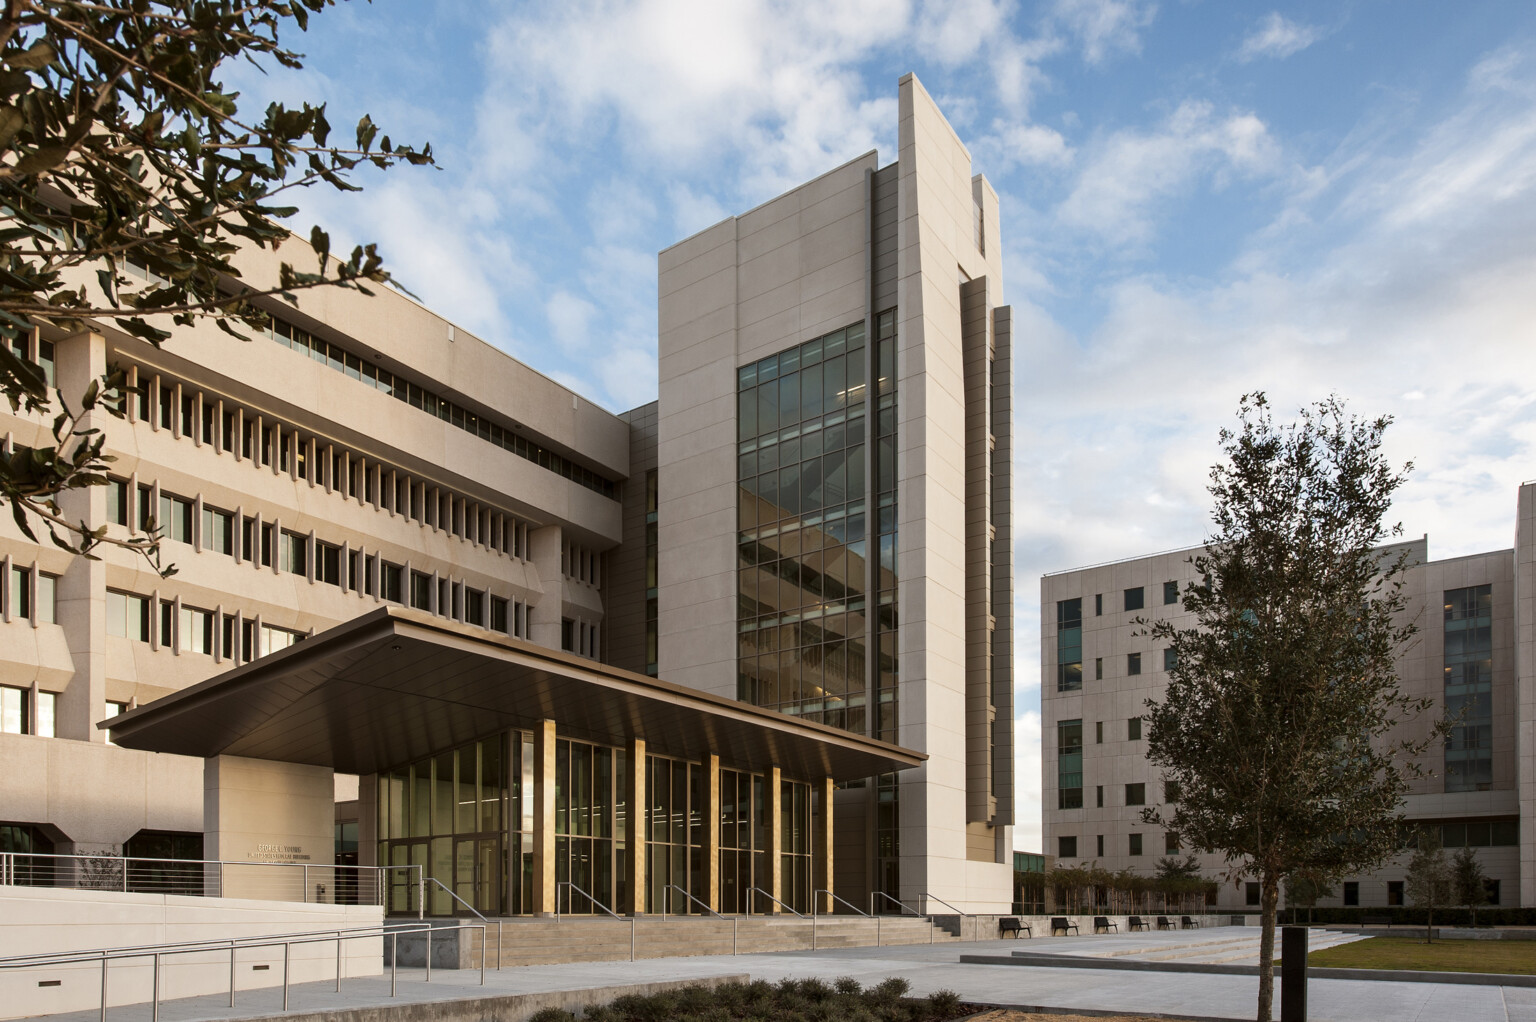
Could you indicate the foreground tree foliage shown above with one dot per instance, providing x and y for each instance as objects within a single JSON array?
[
  {"x": 1278, "y": 721},
  {"x": 129, "y": 181}
]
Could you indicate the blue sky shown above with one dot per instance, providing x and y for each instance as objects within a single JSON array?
[{"x": 1199, "y": 198}]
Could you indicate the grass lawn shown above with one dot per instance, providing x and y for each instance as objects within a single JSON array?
[{"x": 1507, "y": 956}]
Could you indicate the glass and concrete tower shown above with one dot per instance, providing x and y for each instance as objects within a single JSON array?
[{"x": 833, "y": 446}]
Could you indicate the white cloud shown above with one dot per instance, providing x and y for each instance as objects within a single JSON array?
[
  {"x": 570, "y": 319},
  {"x": 1104, "y": 27},
  {"x": 1016, "y": 145},
  {"x": 953, "y": 31},
  {"x": 1278, "y": 37},
  {"x": 1128, "y": 172},
  {"x": 1026, "y": 757}
]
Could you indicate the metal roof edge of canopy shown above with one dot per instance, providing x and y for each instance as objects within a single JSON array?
[{"x": 365, "y": 633}]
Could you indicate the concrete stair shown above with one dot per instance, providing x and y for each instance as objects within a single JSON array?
[{"x": 525, "y": 941}]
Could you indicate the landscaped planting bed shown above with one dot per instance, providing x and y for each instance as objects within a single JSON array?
[{"x": 1516, "y": 957}]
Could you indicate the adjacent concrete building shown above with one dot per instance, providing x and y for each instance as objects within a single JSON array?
[
  {"x": 1474, "y": 650},
  {"x": 813, "y": 518}
]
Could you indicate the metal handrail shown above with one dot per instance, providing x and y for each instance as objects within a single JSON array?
[
  {"x": 785, "y": 907},
  {"x": 159, "y": 952},
  {"x": 482, "y": 918},
  {"x": 667, "y": 902},
  {"x": 129, "y": 951},
  {"x": 975, "y": 922},
  {"x": 881, "y": 894},
  {"x": 815, "y": 910},
  {"x": 605, "y": 908},
  {"x": 10, "y": 871}
]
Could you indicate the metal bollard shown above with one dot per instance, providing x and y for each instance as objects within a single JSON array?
[{"x": 1293, "y": 974}]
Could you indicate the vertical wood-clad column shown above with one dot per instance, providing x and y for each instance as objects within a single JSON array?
[
  {"x": 711, "y": 893},
  {"x": 821, "y": 847},
  {"x": 773, "y": 809},
  {"x": 639, "y": 821},
  {"x": 544, "y": 818}
]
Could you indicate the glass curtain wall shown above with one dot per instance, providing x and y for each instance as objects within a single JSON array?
[
  {"x": 449, "y": 814},
  {"x": 743, "y": 839},
  {"x": 590, "y": 838},
  {"x": 1469, "y": 688},
  {"x": 795, "y": 844},
  {"x": 674, "y": 851},
  {"x": 802, "y": 419}
]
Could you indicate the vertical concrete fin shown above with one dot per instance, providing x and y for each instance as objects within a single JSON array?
[{"x": 1002, "y": 567}]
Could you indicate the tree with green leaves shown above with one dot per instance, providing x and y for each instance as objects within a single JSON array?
[
  {"x": 129, "y": 182},
  {"x": 1470, "y": 881},
  {"x": 1282, "y": 697},
  {"x": 1430, "y": 882}
]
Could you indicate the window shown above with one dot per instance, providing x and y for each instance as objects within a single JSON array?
[
  {"x": 1066, "y": 847},
  {"x": 1098, "y": 795},
  {"x": 1133, "y": 729},
  {"x": 1394, "y": 892},
  {"x": 175, "y": 519},
  {"x": 1171, "y": 843},
  {"x": 47, "y": 598},
  {"x": 1098, "y": 668},
  {"x": 127, "y": 616},
  {"x": 1469, "y": 688},
  {"x": 1069, "y": 764},
  {"x": 20, "y": 605},
  {"x": 167, "y": 625},
  {"x": 1135, "y": 844},
  {"x": 293, "y": 555},
  {"x": 1171, "y": 792},
  {"x": 568, "y": 634},
  {"x": 421, "y": 591},
  {"x": 15, "y": 710},
  {"x": 328, "y": 564},
  {"x": 1170, "y": 593},
  {"x": 1100, "y": 846},
  {"x": 1098, "y": 605},
  {"x": 392, "y": 582},
  {"x": 1069, "y": 645},
  {"x": 1136, "y": 794},
  {"x": 1136, "y": 598},
  {"x": 1351, "y": 892},
  {"x": 117, "y": 501},
  {"x": 196, "y": 631},
  {"x": 218, "y": 531},
  {"x": 498, "y": 614},
  {"x": 474, "y": 607},
  {"x": 1252, "y": 893},
  {"x": 1170, "y": 659},
  {"x": 1098, "y": 733},
  {"x": 1133, "y": 663}
]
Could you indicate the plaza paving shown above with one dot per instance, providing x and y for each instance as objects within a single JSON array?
[{"x": 928, "y": 968}]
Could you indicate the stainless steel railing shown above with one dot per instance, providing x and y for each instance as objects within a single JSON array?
[
  {"x": 594, "y": 901},
  {"x": 212, "y": 878},
  {"x": 157, "y": 953},
  {"x": 477, "y": 915},
  {"x": 975, "y": 922},
  {"x": 667, "y": 904}
]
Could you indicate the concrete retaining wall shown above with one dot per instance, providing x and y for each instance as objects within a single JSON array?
[{"x": 39, "y": 920}]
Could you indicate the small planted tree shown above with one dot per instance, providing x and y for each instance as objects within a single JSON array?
[
  {"x": 1471, "y": 883},
  {"x": 1304, "y": 890},
  {"x": 1430, "y": 883},
  {"x": 1281, "y": 699}
]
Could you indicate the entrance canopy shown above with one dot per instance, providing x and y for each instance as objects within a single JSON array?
[{"x": 397, "y": 685}]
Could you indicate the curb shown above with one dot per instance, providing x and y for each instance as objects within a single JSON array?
[{"x": 1044, "y": 961}]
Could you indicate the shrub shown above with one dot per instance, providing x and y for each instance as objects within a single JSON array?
[
  {"x": 815, "y": 990},
  {"x": 847, "y": 986},
  {"x": 552, "y": 1015},
  {"x": 945, "y": 1002}
]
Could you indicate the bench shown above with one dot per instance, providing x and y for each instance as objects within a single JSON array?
[
  {"x": 1186, "y": 923},
  {"x": 1376, "y": 921},
  {"x": 1013, "y": 925},
  {"x": 1061, "y": 923},
  {"x": 1137, "y": 923},
  {"x": 1101, "y": 924},
  {"x": 1163, "y": 923}
]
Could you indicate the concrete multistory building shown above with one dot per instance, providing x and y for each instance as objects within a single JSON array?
[
  {"x": 1099, "y": 668},
  {"x": 368, "y": 484}
]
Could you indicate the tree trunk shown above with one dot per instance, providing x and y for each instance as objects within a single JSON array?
[
  {"x": 1429, "y": 922},
  {"x": 1269, "y": 894}
]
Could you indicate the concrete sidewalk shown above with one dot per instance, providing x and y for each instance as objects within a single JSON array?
[{"x": 926, "y": 967}]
